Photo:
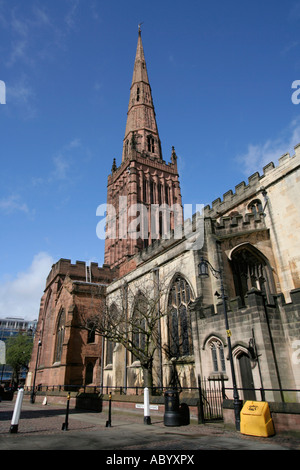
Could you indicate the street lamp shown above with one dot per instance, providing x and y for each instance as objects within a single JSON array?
[
  {"x": 203, "y": 271},
  {"x": 32, "y": 399}
]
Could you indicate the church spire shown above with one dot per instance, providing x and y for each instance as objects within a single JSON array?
[
  {"x": 143, "y": 179},
  {"x": 141, "y": 132}
]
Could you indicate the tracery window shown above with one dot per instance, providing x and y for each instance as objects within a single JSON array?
[
  {"x": 180, "y": 336},
  {"x": 109, "y": 344},
  {"x": 60, "y": 334},
  {"x": 109, "y": 352},
  {"x": 250, "y": 269},
  {"x": 138, "y": 323},
  {"x": 217, "y": 355}
]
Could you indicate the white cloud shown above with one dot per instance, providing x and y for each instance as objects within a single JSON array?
[
  {"x": 61, "y": 167},
  {"x": 13, "y": 204},
  {"x": 26, "y": 40},
  {"x": 294, "y": 13},
  {"x": 42, "y": 18},
  {"x": 20, "y": 297},
  {"x": 71, "y": 16},
  {"x": 63, "y": 160},
  {"x": 94, "y": 11},
  {"x": 64, "y": 165},
  {"x": 36, "y": 34},
  {"x": 21, "y": 95},
  {"x": 20, "y": 41},
  {"x": 259, "y": 155}
]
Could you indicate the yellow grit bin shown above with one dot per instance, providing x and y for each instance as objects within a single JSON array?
[{"x": 256, "y": 419}]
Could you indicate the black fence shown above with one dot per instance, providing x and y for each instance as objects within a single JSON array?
[
  {"x": 262, "y": 392},
  {"x": 210, "y": 394}
]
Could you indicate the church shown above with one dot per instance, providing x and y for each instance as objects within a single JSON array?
[{"x": 216, "y": 296}]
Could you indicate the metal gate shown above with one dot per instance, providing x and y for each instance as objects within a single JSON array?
[{"x": 211, "y": 396}]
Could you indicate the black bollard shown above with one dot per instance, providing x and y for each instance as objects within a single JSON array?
[
  {"x": 108, "y": 422},
  {"x": 66, "y": 423}
]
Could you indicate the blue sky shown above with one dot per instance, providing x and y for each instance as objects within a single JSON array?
[{"x": 221, "y": 75}]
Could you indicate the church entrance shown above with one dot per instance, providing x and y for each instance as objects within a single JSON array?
[
  {"x": 246, "y": 377},
  {"x": 89, "y": 373}
]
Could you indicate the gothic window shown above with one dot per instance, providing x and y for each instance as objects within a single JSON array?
[
  {"x": 217, "y": 355},
  {"x": 180, "y": 337},
  {"x": 160, "y": 224},
  {"x": 151, "y": 192},
  {"x": 250, "y": 269},
  {"x": 91, "y": 333},
  {"x": 166, "y": 194},
  {"x": 60, "y": 334},
  {"x": 139, "y": 317},
  {"x": 138, "y": 94},
  {"x": 126, "y": 147},
  {"x": 110, "y": 345},
  {"x": 150, "y": 142},
  {"x": 109, "y": 352},
  {"x": 144, "y": 190},
  {"x": 159, "y": 193},
  {"x": 255, "y": 207}
]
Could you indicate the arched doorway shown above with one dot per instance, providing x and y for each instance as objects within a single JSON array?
[
  {"x": 250, "y": 268},
  {"x": 89, "y": 372},
  {"x": 247, "y": 382}
]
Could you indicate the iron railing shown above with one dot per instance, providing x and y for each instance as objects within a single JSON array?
[
  {"x": 262, "y": 391},
  {"x": 210, "y": 394}
]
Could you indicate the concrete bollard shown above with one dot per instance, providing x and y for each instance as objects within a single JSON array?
[
  {"x": 17, "y": 411},
  {"x": 147, "y": 419}
]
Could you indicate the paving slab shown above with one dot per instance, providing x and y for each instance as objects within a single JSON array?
[{"x": 40, "y": 428}]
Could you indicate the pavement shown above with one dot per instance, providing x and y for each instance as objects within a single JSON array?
[{"x": 40, "y": 428}]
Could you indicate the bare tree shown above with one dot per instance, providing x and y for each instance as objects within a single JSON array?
[{"x": 132, "y": 317}]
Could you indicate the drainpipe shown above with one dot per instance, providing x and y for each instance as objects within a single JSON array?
[
  {"x": 125, "y": 291},
  {"x": 102, "y": 364}
]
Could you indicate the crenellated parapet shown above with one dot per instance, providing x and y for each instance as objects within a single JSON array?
[
  {"x": 143, "y": 158},
  {"x": 81, "y": 271},
  {"x": 256, "y": 183},
  {"x": 239, "y": 224}
]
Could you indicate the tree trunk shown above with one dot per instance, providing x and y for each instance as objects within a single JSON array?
[{"x": 148, "y": 377}]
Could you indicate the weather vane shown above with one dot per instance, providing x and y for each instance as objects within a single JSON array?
[{"x": 140, "y": 24}]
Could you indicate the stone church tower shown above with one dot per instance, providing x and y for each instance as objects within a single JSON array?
[
  {"x": 144, "y": 182},
  {"x": 250, "y": 240}
]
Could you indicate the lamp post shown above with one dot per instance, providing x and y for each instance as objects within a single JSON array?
[
  {"x": 32, "y": 399},
  {"x": 203, "y": 271}
]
